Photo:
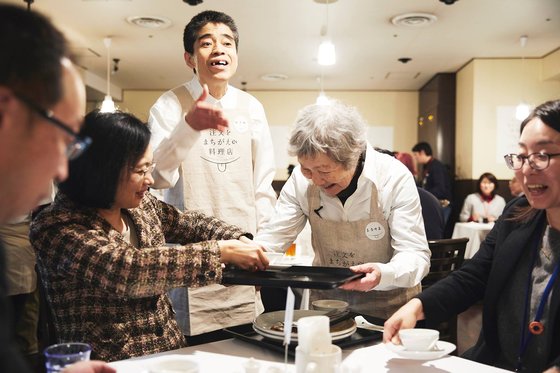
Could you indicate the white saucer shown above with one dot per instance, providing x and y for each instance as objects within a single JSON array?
[{"x": 442, "y": 348}]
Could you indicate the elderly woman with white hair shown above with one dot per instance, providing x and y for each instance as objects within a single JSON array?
[{"x": 362, "y": 205}]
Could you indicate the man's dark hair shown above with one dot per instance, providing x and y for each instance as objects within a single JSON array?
[
  {"x": 119, "y": 140},
  {"x": 200, "y": 20},
  {"x": 422, "y": 146},
  {"x": 32, "y": 49}
]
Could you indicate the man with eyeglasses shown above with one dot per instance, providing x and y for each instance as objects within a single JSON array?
[{"x": 42, "y": 103}]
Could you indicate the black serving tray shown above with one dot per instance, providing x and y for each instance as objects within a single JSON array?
[
  {"x": 246, "y": 333},
  {"x": 304, "y": 277}
]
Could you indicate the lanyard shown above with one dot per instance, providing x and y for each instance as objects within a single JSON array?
[{"x": 535, "y": 327}]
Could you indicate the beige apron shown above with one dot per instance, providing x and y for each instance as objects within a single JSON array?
[
  {"x": 344, "y": 244},
  {"x": 217, "y": 179}
]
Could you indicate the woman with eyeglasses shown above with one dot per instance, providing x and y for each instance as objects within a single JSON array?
[
  {"x": 102, "y": 250},
  {"x": 484, "y": 205},
  {"x": 515, "y": 272}
]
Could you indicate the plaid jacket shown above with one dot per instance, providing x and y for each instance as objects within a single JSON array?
[{"x": 112, "y": 295}]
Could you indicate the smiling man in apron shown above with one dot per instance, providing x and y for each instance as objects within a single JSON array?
[
  {"x": 362, "y": 205},
  {"x": 214, "y": 151}
]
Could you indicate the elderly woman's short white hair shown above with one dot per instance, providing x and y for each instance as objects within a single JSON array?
[{"x": 337, "y": 130}]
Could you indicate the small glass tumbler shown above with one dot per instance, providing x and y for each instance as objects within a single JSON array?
[
  {"x": 291, "y": 251},
  {"x": 61, "y": 355}
]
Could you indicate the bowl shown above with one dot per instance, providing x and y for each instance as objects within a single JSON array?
[
  {"x": 330, "y": 305},
  {"x": 173, "y": 365},
  {"x": 419, "y": 339}
]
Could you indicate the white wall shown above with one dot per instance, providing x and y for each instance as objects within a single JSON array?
[{"x": 485, "y": 89}]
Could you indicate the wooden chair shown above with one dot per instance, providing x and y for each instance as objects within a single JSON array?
[{"x": 447, "y": 256}]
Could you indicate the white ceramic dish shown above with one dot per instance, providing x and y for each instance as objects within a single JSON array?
[
  {"x": 293, "y": 338},
  {"x": 330, "y": 305},
  {"x": 264, "y": 322},
  {"x": 280, "y": 261},
  {"x": 442, "y": 348}
]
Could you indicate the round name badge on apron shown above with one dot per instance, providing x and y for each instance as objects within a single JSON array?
[
  {"x": 240, "y": 124},
  {"x": 375, "y": 231}
]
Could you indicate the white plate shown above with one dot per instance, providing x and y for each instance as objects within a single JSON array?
[
  {"x": 442, "y": 348},
  {"x": 264, "y": 322},
  {"x": 280, "y": 261},
  {"x": 293, "y": 338}
]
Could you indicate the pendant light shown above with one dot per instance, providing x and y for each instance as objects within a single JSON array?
[
  {"x": 522, "y": 110},
  {"x": 327, "y": 54},
  {"x": 108, "y": 105}
]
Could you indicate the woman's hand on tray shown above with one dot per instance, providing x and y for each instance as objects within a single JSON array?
[{"x": 243, "y": 254}]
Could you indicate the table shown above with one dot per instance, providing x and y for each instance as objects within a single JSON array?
[
  {"x": 475, "y": 232},
  {"x": 230, "y": 356}
]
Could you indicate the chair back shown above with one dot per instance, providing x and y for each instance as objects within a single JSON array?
[{"x": 447, "y": 256}]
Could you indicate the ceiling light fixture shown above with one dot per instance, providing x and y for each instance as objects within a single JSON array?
[
  {"x": 108, "y": 105},
  {"x": 522, "y": 110},
  {"x": 327, "y": 54}
]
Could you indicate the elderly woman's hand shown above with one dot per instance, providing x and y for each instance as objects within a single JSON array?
[
  {"x": 366, "y": 283},
  {"x": 249, "y": 256}
]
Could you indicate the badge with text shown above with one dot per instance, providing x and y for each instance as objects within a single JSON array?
[
  {"x": 240, "y": 124},
  {"x": 375, "y": 231}
]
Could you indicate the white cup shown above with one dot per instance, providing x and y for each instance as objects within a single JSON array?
[
  {"x": 173, "y": 365},
  {"x": 319, "y": 362},
  {"x": 419, "y": 339}
]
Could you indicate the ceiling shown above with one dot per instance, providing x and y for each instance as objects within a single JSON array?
[{"x": 282, "y": 37}]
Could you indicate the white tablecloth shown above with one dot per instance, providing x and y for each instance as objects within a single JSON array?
[
  {"x": 475, "y": 232},
  {"x": 231, "y": 356}
]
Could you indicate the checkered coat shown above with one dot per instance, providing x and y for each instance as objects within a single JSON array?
[{"x": 112, "y": 295}]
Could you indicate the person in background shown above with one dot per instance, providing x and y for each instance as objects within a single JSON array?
[
  {"x": 432, "y": 212},
  {"x": 116, "y": 279},
  {"x": 484, "y": 205},
  {"x": 22, "y": 285},
  {"x": 42, "y": 101},
  {"x": 213, "y": 150},
  {"x": 362, "y": 205},
  {"x": 515, "y": 187},
  {"x": 434, "y": 177},
  {"x": 515, "y": 271}
]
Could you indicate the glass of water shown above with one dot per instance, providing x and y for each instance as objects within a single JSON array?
[{"x": 61, "y": 355}]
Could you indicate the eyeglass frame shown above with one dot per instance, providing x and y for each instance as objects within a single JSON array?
[
  {"x": 524, "y": 158},
  {"x": 143, "y": 173},
  {"x": 78, "y": 145}
]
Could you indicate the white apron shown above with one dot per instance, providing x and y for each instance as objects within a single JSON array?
[
  {"x": 344, "y": 244},
  {"x": 217, "y": 179}
]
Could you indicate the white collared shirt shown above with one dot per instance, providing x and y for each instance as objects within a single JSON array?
[{"x": 172, "y": 139}]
